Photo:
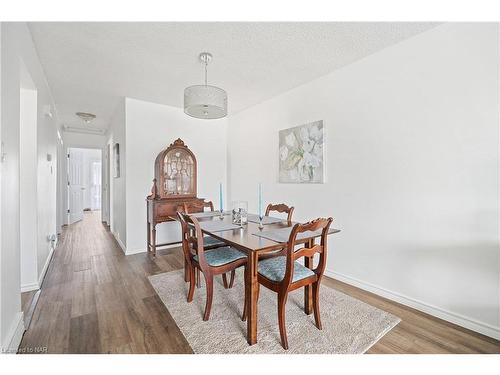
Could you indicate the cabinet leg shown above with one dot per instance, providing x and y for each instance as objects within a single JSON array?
[
  {"x": 148, "y": 236},
  {"x": 153, "y": 241}
]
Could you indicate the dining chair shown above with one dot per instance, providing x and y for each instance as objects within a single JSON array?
[
  {"x": 209, "y": 241},
  {"x": 281, "y": 208},
  {"x": 194, "y": 207},
  {"x": 283, "y": 274},
  {"x": 210, "y": 262}
]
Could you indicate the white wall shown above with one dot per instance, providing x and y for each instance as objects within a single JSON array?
[
  {"x": 28, "y": 183},
  {"x": 17, "y": 46},
  {"x": 83, "y": 140},
  {"x": 117, "y": 186},
  {"x": 412, "y": 170},
  {"x": 105, "y": 183},
  {"x": 61, "y": 183},
  {"x": 11, "y": 279},
  {"x": 2, "y": 271},
  {"x": 150, "y": 128},
  {"x": 46, "y": 180}
]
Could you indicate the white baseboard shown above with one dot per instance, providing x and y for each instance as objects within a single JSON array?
[
  {"x": 30, "y": 287},
  {"x": 123, "y": 247},
  {"x": 37, "y": 285},
  {"x": 137, "y": 251},
  {"x": 458, "y": 319},
  {"x": 15, "y": 335},
  {"x": 45, "y": 267}
]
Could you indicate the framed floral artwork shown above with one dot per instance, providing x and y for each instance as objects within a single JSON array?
[{"x": 301, "y": 154}]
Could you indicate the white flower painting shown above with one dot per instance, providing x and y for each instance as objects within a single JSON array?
[{"x": 301, "y": 154}]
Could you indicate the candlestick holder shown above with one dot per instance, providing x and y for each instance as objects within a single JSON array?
[{"x": 261, "y": 226}]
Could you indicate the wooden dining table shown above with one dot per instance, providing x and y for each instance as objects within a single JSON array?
[{"x": 246, "y": 241}]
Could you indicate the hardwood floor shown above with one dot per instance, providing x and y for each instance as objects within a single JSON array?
[
  {"x": 26, "y": 299},
  {"x": 94, "y": 299},
  {"x": 28, "y": 305}
]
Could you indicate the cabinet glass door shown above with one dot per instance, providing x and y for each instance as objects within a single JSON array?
[{"x": 179, "y": 173}]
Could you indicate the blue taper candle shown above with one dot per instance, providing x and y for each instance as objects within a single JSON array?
[
  {"x": 220, "y": 197},
  {"x": 260, "y": 199}
]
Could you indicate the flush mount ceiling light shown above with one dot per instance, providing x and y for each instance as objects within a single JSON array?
[
  {"x": 86, "y": 117},
  {"x": 205, "y": 101}
]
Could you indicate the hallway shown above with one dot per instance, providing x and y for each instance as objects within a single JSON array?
[{"x": 95, "y": 299}]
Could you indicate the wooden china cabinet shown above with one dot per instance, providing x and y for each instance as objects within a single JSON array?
[{"x": 174, "y": 184}]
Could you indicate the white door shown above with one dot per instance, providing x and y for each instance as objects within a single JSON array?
[{"x": 75, "y": 185}]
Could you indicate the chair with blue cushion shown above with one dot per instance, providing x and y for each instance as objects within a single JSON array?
[
  {"x": 212, "y": 262},
  {"x": 209, "y": 241},
  {"x": 193, "y": 207},
  {"x": 281, "y": 208},
  {"x": 283, "y": 274}
]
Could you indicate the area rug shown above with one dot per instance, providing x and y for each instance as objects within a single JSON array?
[{"x": 349, "y": 325}]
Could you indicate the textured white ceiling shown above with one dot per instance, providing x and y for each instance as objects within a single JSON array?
[{"x": 89, "y": 66}]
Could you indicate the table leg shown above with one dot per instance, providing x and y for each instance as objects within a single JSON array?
[
  {"x": 251, "y": 297},
  {"x": 308, "y": 300}
]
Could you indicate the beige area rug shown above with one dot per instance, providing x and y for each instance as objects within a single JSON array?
[{"x": 349, "y": 325}]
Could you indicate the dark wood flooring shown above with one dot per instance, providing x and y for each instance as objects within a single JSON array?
[{"x": 94, "y": 299}]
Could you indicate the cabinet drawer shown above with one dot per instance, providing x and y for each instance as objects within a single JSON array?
[{"x": 166, "y": 209}]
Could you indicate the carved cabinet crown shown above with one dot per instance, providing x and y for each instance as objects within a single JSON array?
[{"x": 175, "y": 173}]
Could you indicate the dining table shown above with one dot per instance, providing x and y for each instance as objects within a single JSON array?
[{"x": 248, "y": 238}]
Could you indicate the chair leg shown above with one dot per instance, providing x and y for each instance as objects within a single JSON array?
[
  {"x": 315, "y": 291},
  {"x": 186, "y": 271},
  {"x": 224, "y": 281},
  {"x": 192, "y": 283},
  {"x": 198, "y": 278},
  {"x": 231, "y": 282},
  {"x": 281, "y": 318},
  {"x": 209, "y": 281}
]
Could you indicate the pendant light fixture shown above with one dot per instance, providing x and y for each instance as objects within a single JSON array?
[{"x": 205, "y": 101}]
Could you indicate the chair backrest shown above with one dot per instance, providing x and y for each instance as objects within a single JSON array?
[
  {"x": 192, "y": 238},
  {"x": 307, "y": 250},
  {"x": 282, "y": 208},
  {"x": 197, "y": 206}
]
